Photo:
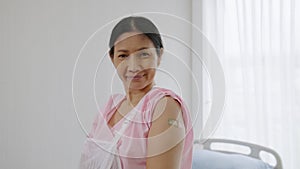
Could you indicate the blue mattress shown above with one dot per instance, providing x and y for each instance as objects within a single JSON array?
[{"x": 206, "y": 159}]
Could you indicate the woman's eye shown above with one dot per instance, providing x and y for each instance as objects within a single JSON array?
[
  {"x": 122, "y": 56},
  {"x": 144, "y": 54}
]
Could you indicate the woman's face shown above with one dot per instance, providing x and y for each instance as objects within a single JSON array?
[{"x": 136, "y": 60}]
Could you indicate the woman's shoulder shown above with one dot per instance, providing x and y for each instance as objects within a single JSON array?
[
  {"x": 167, "y": 98},
  {"x": 160, "y": 91},
  {"x": 161, "y": 94},
  {"x": 113, "y": 101}
]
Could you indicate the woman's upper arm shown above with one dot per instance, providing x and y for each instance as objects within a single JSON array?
[{"x": 165, "y": 139}]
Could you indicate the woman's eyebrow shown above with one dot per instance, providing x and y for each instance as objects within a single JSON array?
[
  {"x": 142, "y": 48},
  {"x": 122, "y": 50},
  {"x": 125, "y": 50}
]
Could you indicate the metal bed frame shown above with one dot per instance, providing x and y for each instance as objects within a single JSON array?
[{"x": 255, "y": 150}]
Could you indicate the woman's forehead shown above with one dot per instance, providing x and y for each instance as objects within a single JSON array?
[{"x": 133, "y": 40}]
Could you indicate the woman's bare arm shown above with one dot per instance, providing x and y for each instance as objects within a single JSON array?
[{"x": 165, "y": 139}]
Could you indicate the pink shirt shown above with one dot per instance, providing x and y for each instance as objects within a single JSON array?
[{"x": 132, "y": 147}]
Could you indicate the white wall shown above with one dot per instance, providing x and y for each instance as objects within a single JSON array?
[{"x": 40, "y": 41}]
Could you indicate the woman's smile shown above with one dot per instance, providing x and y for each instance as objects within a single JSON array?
[
  {"x": 134, "y": 77},
  {"x": 136, "y": 60}
]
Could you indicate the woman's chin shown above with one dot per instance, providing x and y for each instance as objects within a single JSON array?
[{"x": 136, "y": 86}]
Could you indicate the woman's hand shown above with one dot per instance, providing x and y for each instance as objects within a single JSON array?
[{"x": 166, "y": 135}]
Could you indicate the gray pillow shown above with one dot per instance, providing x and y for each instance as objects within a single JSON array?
[{"x": 205, "y": 159}]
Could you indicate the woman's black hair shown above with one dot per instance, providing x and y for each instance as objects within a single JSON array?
[{"x": 139, "y": 24}]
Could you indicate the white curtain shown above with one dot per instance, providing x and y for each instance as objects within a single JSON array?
[{"x": 258, "y": 44}]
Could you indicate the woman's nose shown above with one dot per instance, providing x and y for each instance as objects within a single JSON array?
[{"x": 133, "y": 64}]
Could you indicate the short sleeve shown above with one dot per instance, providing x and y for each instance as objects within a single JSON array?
[
  {"x": 157, "y": 95},
  {"x": 112, "y": 101}
]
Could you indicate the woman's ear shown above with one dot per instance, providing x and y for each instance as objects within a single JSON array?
[
  {"x": 161, "y": 51},
  {"x": 111, "y": 53},
  {"x": 111, "y": 57}
]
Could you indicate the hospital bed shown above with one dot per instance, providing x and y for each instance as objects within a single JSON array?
[{"x": 207, "y": 155}]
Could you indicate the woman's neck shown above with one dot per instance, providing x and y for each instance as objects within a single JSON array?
[{"x": 134, "y": 96}]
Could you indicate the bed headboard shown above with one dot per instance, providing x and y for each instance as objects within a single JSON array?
[{"x": 255, "y": 150}]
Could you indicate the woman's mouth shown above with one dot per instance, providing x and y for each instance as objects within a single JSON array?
[{"x": 135, "y": 77}]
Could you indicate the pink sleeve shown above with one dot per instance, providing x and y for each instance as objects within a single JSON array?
[
  {"x": 102, "y": 113},
  {"x": 94, "y": 126},
  {"x": 156, "y": 96}
]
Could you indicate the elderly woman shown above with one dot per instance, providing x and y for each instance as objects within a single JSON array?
[{"x": 148, "y": 127}]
